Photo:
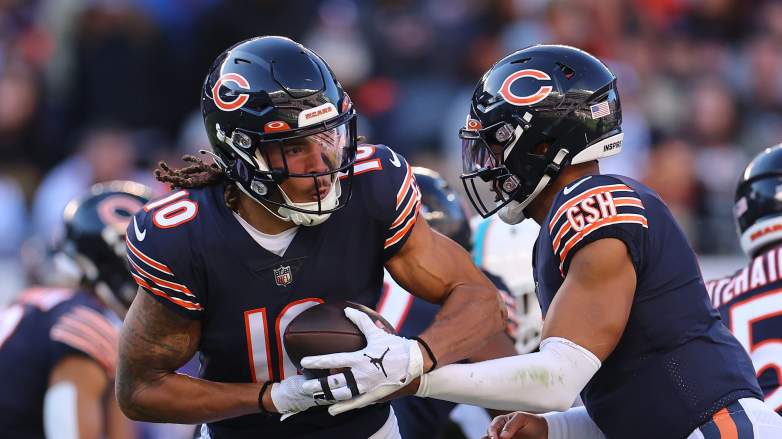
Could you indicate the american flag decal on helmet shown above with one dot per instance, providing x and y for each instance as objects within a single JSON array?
[{"x": 600, "y": 110}]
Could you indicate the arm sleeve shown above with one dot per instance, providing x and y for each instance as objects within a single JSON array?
[
  {"x": 539, "y": 382},
  {"x": 573, "y": 423},
  {"x": 396, "y": 198},
  {"x": 163, "y": 264},
  {"x": 604, "y": 207},
  {"x": 79, "y": 329}
]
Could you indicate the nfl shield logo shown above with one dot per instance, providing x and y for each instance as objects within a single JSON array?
[{"x": 282, "y": 275}]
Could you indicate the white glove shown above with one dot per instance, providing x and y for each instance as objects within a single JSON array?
[
  {"x": 388, "y": 363},
  {"x": 290, "y": 398}
]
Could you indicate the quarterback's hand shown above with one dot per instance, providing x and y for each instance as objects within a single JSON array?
[
  {"x": 517, "y": 425},
  {"x": 387, "y": 364},
  {"x": 289, "y": 396}
]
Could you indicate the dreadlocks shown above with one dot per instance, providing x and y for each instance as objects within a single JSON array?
[{"x": 197, "y": 174}]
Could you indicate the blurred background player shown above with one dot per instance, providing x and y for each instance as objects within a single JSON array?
[
  {"x": 58, "y": 346},
  {"x": 506, "y": 251},
  {"x": 444, "y": 210},
  {"x": 750, "y": 300}
]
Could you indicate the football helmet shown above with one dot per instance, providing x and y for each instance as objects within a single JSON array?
[
  {"x": 269, "y": 96},
  {"x": 93, "y": 245},
  {"x": 534, "y": 112},
  {"x": 758, "y": 201},
  {"x": 442, "y": 208}
]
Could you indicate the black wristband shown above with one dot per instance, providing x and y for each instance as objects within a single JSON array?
[
  {"x": 428, "y": 351},
  {"x": 260, "y": 398}
]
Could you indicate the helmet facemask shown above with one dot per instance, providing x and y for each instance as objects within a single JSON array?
[
  {"x": 317, "y": 159},
  {"x": 504, "y": 173}
]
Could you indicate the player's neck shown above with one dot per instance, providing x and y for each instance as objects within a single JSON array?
[
  {"x": 260, "y": 218},
  {"x": 539, "y": 208}
]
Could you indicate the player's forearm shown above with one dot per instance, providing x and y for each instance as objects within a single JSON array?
[
  {"x": 181, "y": 399},
  {"x": 469, "y": 316},
  {"x": 543, "y": 381}
]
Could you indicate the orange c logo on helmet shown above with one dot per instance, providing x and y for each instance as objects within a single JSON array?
[
  {"x": 117, "y": 210},
  {"x": 534, "y": 98},
  {"x": 236, "y": 103}
]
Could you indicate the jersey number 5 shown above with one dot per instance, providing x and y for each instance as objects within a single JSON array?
[
  {"x": 256, "y": 326},
  {"x": 766, "y": 354}
]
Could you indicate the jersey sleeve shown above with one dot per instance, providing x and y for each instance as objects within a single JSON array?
[
  {"x": 594, "y": 208},
  {"x": 162, "y": 261},
  {"x": 395, "y": 198},
  {"x": 82, "y": 330}
]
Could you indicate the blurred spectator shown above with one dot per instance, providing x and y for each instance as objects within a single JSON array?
[
  {"x": 106, "y": 153},
  {"x": 703, "y": 72},
  {"x": 670, "y": 174},
  {"x": 718, "y": 160}
]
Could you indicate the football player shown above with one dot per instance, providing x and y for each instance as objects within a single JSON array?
[
  {"x": 750, "y": 301},
  {"x": 293, "y": 213},
  {"x": 626, "y": 312},
  {"x": 506, "y": 250},
  {"x": 444, "y": 211},
  {"x": 58, "y": 346}
]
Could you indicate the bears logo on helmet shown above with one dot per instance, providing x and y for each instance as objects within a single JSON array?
[
  {"x": 534, "y": 98},
  {"x": 240, "y": 100}
]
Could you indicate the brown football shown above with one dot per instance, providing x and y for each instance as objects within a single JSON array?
[{"x": 324, "y": 329}]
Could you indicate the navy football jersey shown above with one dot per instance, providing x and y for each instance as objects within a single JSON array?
[
  {"x": 37, "y": 331},
  {"x": 191, "y": 254},
  {"x": 676, "y": 363},
  {"x": 750, "y": 302},
  {"x": 421, "y": 418}
]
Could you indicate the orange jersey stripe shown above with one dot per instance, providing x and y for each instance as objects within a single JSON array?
[
  {"x": 104, "y": 342},
  {"x": 87, "y": 346},
  {"x": 183, "y": 303},
  {"x": 562, "y": 231},
  {"x": 401, "y": 233},
  {"x": 621, "y": 218},
  {"x": 415, "y": 196},
  {"x": 578, "y": 199},
  {"x": 405, "y": 186},
  {"x": 96, "y": 321},
  {"x": 161, "y": 282},
  {"x": 630, "y": 202},
  {"x": 725, "y": 424},
  {"x": 149, "y": 261}
]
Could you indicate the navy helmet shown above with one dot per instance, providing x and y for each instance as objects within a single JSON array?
[
  {"x": 94, "y": 239},
  {"x": 443, "y": 208},
  {"x": 758, "y": 202},
  {"x": 270, "y": 93},
  {"x": 534, "y": 112}
]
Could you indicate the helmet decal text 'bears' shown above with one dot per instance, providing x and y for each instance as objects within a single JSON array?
[
  {"x": 534, "y": 98},
  {"x": 240, "y": 100}
]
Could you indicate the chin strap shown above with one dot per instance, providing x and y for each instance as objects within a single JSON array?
[
  {"x": 513, "y": 212},
  {"x": 328, "y": 202}
]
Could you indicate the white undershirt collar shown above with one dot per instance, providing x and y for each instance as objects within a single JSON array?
[{"x": 276, "y": 244}]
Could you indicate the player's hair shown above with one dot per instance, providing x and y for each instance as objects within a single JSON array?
[{"x": 197, "y": 174}]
